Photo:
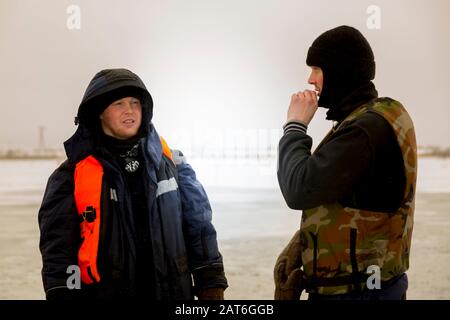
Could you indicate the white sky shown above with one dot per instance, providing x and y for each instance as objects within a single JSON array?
[{"x": 211, "y": 65}]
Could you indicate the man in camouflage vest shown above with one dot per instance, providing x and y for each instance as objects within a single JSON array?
[{"x": 356, "y": 190}]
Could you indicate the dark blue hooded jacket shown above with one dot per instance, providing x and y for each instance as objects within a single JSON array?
[{"x": 183, "y": 250}]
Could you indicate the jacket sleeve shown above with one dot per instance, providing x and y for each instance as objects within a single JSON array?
[
  {"x": 204, "y": 257},
  {"x": 308, "y": 180},
  {"x": 59, "y": 233}
]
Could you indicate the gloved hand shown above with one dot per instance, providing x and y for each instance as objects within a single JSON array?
[
  {"x": 211, "y": 294},
  {"x": 288, "y": 275}
]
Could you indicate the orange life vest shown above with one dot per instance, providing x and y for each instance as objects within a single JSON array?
[{"x": 88, "y": 186}]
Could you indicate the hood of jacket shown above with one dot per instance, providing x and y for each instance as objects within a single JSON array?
[{"x": 106, "y": 86}]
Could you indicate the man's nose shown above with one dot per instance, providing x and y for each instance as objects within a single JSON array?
[{"x": 128, "y": 107}]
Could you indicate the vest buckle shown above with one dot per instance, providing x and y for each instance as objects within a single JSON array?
[{"x": 89, "y": 214}]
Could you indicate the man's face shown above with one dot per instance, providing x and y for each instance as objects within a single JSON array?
[
  {"x": 316, "y": 79},
  {"x": 122, "y": 118}
]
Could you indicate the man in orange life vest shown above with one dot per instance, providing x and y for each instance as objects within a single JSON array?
[
  {"x": 357, "y": 189},
  {"x": 124, "y": 208}
]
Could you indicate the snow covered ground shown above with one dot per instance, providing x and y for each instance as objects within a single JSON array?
[
  {"x": 252, "y": 221},
  {"x": 24, "y": 181}
]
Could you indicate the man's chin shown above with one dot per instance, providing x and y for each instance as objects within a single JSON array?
[{"x": 128, "y": 135}]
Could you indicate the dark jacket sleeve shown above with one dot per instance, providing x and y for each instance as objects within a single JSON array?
[
  {"x": 205, "y": 259},
  {"x": 309, "y": 180},
  {"x": 59, "y": 232}
]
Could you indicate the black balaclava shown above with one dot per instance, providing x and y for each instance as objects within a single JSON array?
[{"x": 348, "y": 66}]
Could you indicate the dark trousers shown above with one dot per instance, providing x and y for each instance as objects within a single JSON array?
[{"x": 393, "y": 290}]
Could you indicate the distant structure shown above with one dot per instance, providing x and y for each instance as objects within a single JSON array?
[
  {"x": 433, "y": 152},
  {"x": 229, "y": 143},
  {"x": 41, "y": 151},
  {"x": 41, "y": 143}
]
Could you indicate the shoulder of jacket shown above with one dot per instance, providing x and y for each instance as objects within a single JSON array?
[
  {"x": 370, "y": 122},
  {"x": 178, "y": 157},
  {"x": 376, "y": 128},
  {"x": 370, "y": 114},
  {"x": 62, "y": 177},
  {"x": 66, "y": 168},
  {"x": 66, "y": 165},
  {"x": 384, "y": 100},
  {"x": 369, "y": 119}
]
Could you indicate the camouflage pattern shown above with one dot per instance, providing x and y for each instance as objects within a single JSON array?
[{"x": 345, "y": 241}]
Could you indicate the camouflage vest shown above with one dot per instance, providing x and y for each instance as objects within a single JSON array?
[{"x": 340, "y": 243}]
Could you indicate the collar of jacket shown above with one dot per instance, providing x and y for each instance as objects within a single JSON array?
[
  {"x": 356, "y": 98},
  {"x": 82, "y": 144}
]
